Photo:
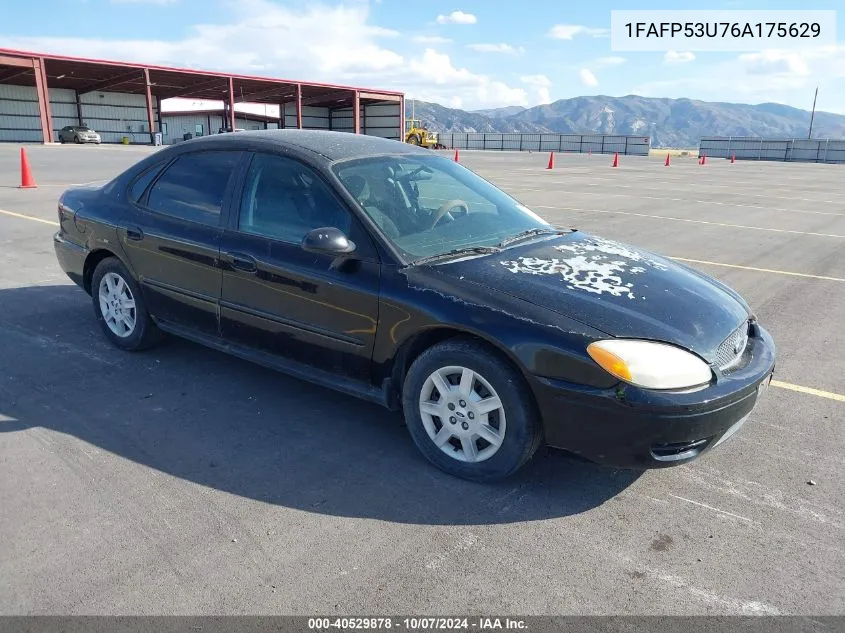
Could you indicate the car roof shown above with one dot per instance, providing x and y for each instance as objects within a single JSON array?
[{"x": 332, "y": 145}]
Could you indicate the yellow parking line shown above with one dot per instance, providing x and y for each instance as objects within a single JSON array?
[
  {"x": 762, "y": 270},
  {"x": 28, "y": 217},
  {"x": 808, "y": 390}
]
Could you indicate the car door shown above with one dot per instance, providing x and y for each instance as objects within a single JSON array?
[
  {"x": 172, "y": 237},
  {"x": 308, "y": 308}
]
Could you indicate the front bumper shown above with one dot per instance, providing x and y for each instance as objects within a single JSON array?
[{"x": 629, "y": 427}]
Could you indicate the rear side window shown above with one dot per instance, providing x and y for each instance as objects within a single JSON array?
[
  {"x": 192, "y": 188},
  {"x": 139, "y": 186}
]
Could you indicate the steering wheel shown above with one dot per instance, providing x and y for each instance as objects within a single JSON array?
[{"x": 446, "y": 207}]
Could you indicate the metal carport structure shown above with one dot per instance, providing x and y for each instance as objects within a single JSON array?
[{"x": 77, "y": 78}]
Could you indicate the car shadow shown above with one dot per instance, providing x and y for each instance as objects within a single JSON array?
[{"x": 233, "y": 426}]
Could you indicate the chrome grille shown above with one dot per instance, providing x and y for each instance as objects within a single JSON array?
[{"x": 730, "y": 351}]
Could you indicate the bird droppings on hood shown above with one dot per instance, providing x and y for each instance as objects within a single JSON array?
[{"x": 595, "y": 265}]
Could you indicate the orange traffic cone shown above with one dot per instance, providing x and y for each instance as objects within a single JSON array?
[
  {"x": 667, "y": 159},
  {"x": 615, "y": 160},
  {"x": 457, "y": 157},
  {"x": 27, "y": 181},
  {"x": 551, "y": 161},
  {"x": 703, "y": 159},
  {"x": 733, "y": 158}
]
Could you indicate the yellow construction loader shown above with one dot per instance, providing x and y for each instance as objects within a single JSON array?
[{"x": 416, "y": 134}]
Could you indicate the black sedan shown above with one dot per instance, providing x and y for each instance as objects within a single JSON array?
[{"x": 390, "y": 273}]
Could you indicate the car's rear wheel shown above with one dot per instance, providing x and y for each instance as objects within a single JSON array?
[
  {"x": 119, "y": 307},
  {"x": 470, "y": 412}
]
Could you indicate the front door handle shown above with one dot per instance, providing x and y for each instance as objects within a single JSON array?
[
  {"x": 134, "y": 233},
  {"x": 243, "y": 262}
]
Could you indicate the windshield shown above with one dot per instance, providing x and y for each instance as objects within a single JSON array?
[
  {"x": 429, "y": 205},
  {"x": 83, "y": 129}
]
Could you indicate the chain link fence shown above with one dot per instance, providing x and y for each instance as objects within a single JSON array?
[
  {"x": 578, "y": 143},
  {"x": 779, "y": 149}
]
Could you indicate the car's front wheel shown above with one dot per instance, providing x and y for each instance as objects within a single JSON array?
[
  {"x": 120, "y": 308},
  {"x": 470, "y": 412}
]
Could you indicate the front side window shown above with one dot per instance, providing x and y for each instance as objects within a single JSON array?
[
  {"x": 429, "y": 205},
  {"x": 193, "y": 187},
  {"x": 283, "y": 199}
]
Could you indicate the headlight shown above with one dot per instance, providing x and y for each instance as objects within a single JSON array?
[{"x": 649, "y": 364}]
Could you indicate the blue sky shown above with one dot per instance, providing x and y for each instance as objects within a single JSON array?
[{"x": 469, "y": 53}]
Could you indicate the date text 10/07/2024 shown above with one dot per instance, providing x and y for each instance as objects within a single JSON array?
[
  {"x": 417, "y": 624},
  {"x": 724, "y": 29}
]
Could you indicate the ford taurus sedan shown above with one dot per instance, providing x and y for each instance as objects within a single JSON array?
[{"x": 394, "y": 274}]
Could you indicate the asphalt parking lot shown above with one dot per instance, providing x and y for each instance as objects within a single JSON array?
[{"x": 183, "y": 481}]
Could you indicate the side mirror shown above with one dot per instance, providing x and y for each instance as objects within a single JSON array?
[{"x": 327, "y": 240}]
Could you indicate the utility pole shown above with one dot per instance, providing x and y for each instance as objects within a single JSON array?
[{"x": 813, "y": 114}]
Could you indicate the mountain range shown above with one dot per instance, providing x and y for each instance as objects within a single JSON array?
[{"x": 669, "y": 122}]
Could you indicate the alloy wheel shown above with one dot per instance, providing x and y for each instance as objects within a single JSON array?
[
  {"x": 117, "y": 305},
  {"x": 462, "y": 414}
]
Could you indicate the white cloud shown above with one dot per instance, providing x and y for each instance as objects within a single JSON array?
[
  {"x": 541, "y": 85},
  {"x": 602, "y": 62},
  {"x": 457, "y": 17},
  {"x": 323, "y": 43},
  {"x": 496, "y": 48},
  {"x": 588, "y": 78},
  {"x": 436, "y": 76},
  {"x": 674, "y": 57},
  {"x": 430, "y": 39},
  {"x": 775, "y": 62},
  {"x": 570, "y": 31},
  {"x": 787, "y": 77}
]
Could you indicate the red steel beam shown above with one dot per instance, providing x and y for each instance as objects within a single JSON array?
[
  {"x": 232, "y": 103},
  {"x": 402, "y": 118},
  {"x": 356, "y": 112},
  {"x": 43, "y": 97},
  {"x": 299, "y": 106},
  {"x": 21, "y": 62},
  {"x": 149, "y": 99}
]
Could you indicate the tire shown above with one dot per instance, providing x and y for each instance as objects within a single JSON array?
[
  {"x": 61, "y": 139},
  {"x": 415, "y": 140},
  {"x": 516, "y": 423},
  {"x": 143, "y": 332},
  {"x": 77, "y": 140}
]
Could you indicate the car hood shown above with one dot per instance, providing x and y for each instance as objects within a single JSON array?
[{"x": 613, "y": 287}]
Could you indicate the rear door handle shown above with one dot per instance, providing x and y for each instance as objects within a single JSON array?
[
  {"x": 134, "y": 233},
  {"x": 246, "y": 263}
]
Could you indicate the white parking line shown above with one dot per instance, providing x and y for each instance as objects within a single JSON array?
[
  {"x": 667, "y": 217},
  {"x": 762, "y": 270},
  {"x": 605, "y": 194}
]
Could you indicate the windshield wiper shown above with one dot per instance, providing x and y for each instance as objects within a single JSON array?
[
  {"x": 529, "y": 233},
  {"x": 478, "y": 250}
]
